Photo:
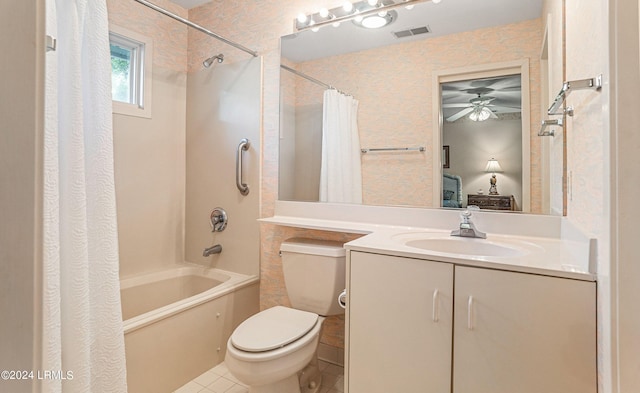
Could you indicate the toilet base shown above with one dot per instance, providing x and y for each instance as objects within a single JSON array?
[
  {"x": 309, "y": 380},
  {"x": 287, "y": 385}
]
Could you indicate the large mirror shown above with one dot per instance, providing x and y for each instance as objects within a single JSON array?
[{"x": 422, "y": 87}]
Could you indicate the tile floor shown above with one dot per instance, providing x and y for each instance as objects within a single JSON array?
[{"x": 220, "y": 380}]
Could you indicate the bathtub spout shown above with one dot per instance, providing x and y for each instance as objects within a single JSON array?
[{"x": 217, "y": 249}]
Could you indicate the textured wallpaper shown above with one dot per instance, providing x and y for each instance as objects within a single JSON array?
[{"x": 169, "y": 36}]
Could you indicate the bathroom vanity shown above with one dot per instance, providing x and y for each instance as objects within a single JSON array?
[
  {"x": 428, "y": 312},
  {"x": 433, "y": 321}
]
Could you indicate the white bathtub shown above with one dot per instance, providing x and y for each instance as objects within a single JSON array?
[{"x": 177, "y": 322}]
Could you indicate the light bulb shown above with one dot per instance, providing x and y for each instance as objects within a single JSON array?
[
  {"x": 324, "y": 12},
  {"x": 410, "y": 6},
  {"x": 315, "y": 29},
  {"x": 302, "y": 18},
  {"x": 372, "y": 3},
  {"x": 358, "y": 18},
  {"x": 374, "y": 22},
  {"x": 347, "y": 6},
  {"x": 335, "y": 24},
  {"x": 382, "y": 14},
  {"x": 435, "y": 1}
]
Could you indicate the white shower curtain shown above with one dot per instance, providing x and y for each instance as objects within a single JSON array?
[
  {"x": 340, "y": 173},
  {"x": 82, "y": 323}
]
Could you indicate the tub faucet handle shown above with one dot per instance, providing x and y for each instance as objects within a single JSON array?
[{"x": 218, "y": 219}]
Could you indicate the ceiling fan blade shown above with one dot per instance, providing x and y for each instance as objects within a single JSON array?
[
  {"x": 456, "y": 105},
  {"x": 508, "y": 82},
  {"x": 460, "y": 114},
  {"x": 505, "y": 109}
]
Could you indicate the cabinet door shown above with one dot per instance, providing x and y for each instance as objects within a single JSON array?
[
  {"x": 397, "y": 340},
  {"x": 523, "y": 333}
]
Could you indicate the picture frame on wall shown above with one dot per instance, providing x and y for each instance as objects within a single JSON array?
[{"x": 445, "y": 156}]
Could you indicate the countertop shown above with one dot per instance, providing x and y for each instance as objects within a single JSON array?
[
  {"x": 543, "y": 256},
  {"x": 552, "y": 245}
]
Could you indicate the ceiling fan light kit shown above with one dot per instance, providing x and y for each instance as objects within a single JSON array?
[{"x": 505, "y": 98}]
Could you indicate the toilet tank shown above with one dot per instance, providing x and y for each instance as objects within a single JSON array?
[{"x": 314, "y": 274}]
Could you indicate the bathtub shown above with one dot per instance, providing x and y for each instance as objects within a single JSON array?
[{"x": 177, "y": 322}]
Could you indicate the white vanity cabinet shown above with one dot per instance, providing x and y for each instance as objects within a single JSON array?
[
  {"x": 513, "y": 332},
  {"x": 399, "y": 324},
  {"x": 525, "y": 333}
]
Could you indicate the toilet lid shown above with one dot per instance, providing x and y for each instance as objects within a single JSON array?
[{"x": 272, "y": 328}]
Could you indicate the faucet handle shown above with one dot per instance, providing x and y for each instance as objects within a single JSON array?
[{"x": 466, "y": 214}]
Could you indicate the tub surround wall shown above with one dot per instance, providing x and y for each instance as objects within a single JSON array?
[
  {"x": 150, "y": 153},
  {"x": 223, "y": 106}
]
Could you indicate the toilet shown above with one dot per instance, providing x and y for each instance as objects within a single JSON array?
[{"x": 275, "y": 350}]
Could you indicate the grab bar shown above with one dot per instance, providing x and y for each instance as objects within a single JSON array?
[{"x": 243, "y": 146}]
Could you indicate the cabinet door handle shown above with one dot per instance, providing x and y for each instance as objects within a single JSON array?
[
  {"x": 436, "y": 306},
  {"x": 470, "y": 313}
]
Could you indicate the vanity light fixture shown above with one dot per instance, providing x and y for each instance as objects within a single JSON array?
[
  {"x": 378, "y": 20},
  {"x": 347, "y": 6},
  {"x": 493, "y": 166},
  {"x": 358, "y": 11}
]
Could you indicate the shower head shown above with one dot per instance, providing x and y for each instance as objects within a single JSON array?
[{"x": 207, "y": 63}]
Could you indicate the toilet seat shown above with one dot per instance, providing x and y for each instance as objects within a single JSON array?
[{"x": 273, "y": 328}]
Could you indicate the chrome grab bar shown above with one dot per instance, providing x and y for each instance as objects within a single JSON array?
[{"x": 243, "y": 146}]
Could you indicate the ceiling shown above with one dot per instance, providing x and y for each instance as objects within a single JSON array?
[{"x": 447, "y": 17}]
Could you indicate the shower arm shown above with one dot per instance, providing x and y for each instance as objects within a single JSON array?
[{"x": 196, "y": 26}]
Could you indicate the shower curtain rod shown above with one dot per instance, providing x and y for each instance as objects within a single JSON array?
[
  {"x": 197, "y": 27},
  {"x": 312, "y": 79}
]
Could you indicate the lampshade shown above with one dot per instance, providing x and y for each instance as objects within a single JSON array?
[{"x": 493, "y": 166}]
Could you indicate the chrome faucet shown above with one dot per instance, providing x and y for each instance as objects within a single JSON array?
[
  {"x": 217, "y": 249},
  {"x": 467, "y": 228}
]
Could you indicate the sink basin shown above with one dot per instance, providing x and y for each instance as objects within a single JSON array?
[
  {"x": 442, "y": 243},
  {"x": 466, "y": 246}
]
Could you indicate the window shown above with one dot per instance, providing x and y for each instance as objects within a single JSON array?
[{"x": 130, "y": 72}]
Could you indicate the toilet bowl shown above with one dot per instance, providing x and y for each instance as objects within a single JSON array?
[
  {"x": 275, "y": 350},
  {"x": 274, "y": 370}
]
